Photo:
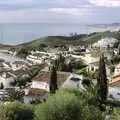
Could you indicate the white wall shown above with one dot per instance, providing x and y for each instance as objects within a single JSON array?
[
  {"x": 40, "y": 85},
  {"x": 117, "y": 70}
]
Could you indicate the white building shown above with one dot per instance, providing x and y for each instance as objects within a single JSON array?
[
  {"x": 105, "y": 42},
  {"x": 17, "y": 65},
  {"x": 117, "y": 70},
  {"x": 34, "y": 94},
  {"x": 64, "y": 79},
  {"x": 6, "y": 79}
]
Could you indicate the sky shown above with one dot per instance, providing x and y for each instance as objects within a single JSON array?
[{"x": 59, "y": 11}]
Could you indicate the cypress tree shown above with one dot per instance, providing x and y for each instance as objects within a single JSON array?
[
  {"x": 70, "y": 68},
  {"x": 102, "y": 81},
  {"x": 53, "y": 81}
]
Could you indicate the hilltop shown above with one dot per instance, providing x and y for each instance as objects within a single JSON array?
[{"x": 80, "y": 39}]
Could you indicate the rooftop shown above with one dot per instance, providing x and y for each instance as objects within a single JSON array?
[
  {"x": 45, "y": 76},
  {"x": 115, "y": 81},
  {"x": 36, "y": 92}
]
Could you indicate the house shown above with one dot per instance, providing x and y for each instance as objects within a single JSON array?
[
  {"x": 17, "y": 65},
  {"x": 39, "y": 89},
  {"x": 114, "y": 85},
  {"x": 42, "y": 80},
  {"x": 64, "y": 79},
  {"x": 116, "y": 77},
  {"x": 105, "y": 43},
  {"x": 93, "y": 67},
  {"x": 34, "y": 94},
  {"x": 114, "y": 93},
  {"x": 74, "y": 81},
  {"x": 115, "y": 82},
  {"x": 117, "y": 70},
  {"x": 6, "y": 78}
]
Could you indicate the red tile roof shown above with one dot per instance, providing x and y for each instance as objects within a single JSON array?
[
  {"x": 45, "y": 77},
  {"x": 37, "y": 92},
  {"x": 115, "y": 81}
]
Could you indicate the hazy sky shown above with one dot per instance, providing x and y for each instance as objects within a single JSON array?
[{"x": 61, "y": 11}]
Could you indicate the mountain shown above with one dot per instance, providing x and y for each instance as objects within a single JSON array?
[{"x": 106, "y": 25}]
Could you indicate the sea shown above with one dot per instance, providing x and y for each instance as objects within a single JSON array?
[{"x": 16, "y": 33}]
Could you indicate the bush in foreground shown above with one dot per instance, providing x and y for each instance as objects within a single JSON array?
[
  {"x": 67, "y": 106},
  {"x": 16, "y": 111}
]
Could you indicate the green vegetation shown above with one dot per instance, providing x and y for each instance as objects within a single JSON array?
[
  {"x": 60, "y": 63},
  {"x": 68, "y": 105},
  {"x": 16, "y": 111},
  {"x": 115, "y": 59},
  {"x": 65, "y": 104},
  {"x": 23, "y": 52},
  {"x": 102, "y": 81},
  {"x": 115, "y": 114},
  {"x": 14, "y": 95},
  {"x": 89, "y": 103},
  {"x": 78, "y": 64},
  {"x": 67, "y": 65}
]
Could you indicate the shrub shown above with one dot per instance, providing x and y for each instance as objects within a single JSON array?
[
  {"x": 66, "y": 105},
  {"x": 14, "y": 94},
  {"x": 62, "y": 106},
  {"x": 115, "y": 114},
  {"x": 116, "y": 59},
  {"x": 16, "y": 111}
]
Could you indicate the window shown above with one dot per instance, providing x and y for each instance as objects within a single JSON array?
[{"x": 75, "y": 79}]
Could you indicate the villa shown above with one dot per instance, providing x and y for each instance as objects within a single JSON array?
[
  {"x": 116, "y": 77},
  {"x": 39, "y": 89},
  {"x": 64, "y": 79},
  {"x": 17, "y": 65},
  {"x": 35, "y": 94},
  {"x": 105, "y": 43},
  {"x": 6, "y": 78}
]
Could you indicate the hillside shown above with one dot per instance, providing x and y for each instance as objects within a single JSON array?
[
  {"x": 54, "y": 41},
  {"x": 58, "y": 41},
  {"x": 82, "y": 39},
  {"x": 2, "y": 46}
]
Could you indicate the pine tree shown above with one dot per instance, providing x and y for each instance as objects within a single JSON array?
[
  {"x": 102, "y": 80},
  {"x": 53, "y": 81}
]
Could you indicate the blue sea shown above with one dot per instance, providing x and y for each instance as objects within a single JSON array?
[{"x": 24, "y": 32}]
